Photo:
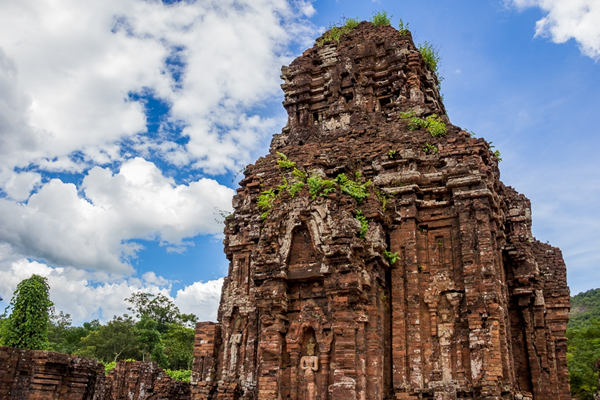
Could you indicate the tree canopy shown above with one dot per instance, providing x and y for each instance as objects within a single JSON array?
[{"x": 27, "y": 325}]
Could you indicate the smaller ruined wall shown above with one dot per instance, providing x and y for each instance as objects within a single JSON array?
[
  {"x": 47, "y": 375},
  {"x": 137, "y": 380},
  {"x": 34, "y": 374}
]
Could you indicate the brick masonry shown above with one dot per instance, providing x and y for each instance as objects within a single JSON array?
[{"x": 473, "y": 308}]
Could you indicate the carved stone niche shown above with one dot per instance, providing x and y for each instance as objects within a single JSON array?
[{"x": 304, "y": 260}]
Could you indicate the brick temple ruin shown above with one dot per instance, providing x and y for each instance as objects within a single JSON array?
[{"x": 372, "y": 257}]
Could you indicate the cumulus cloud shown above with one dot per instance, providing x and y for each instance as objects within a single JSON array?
[
  {"x": 86, "y": 295},
  {"x": 61, "y": 226},
  {"x": 564, "y": 20}
]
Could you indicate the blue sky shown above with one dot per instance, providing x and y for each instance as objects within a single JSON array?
[{"x": 124, "y": 126}]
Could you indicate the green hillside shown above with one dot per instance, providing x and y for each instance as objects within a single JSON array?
[{"x": 584, "y": 343}]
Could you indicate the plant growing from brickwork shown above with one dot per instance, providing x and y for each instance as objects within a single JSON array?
[
  {"x": 392, "y": 154},
  {"x": 355, "y": 189},
  {"x": 283, "y": 161},
  {"x": 265, "y": 201},
  {"x": 381, "y": 19},
  {"x": 390, "y": 256},
  {"x": 403, "y": 28},
  {"x": 318, "y": 186},
  {"x": 433, "y": 123},
  {"x": 496, "y": 152},
  {"x": 383, "y": 199},
  {"x": 430, "y": 56},
  {"x": 336, "y": 32},
  {"x": 430, "y": 148},
  {"x": 364, "y": 224}
]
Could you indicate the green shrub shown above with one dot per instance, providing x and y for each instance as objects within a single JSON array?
[
  {"x": 265, "y": 201},
  {"x": 318, "y": 186},
  {"x": 433, "y": 123},
  {"x": 109, "y": 367},
  {"x": 391, "y": 256},
  {"x": 336, "y": 32},
  {"x": 353, "y": 188},
  {"x": 294, "y": 188},
  {"x": 283, "y": 161},
  {"x": 381, "y": 19},
  {"x": 403, "y": 28},
  {"x": 430, "y": 148},
  {"x": 179, "y": 374},
  {"x": 430, "y": 56},
  {"x": 364, "y": 224}
]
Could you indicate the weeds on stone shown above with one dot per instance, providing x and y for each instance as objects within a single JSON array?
[
  {"x": 433, "y": 123},
  {"x": 403, "y": 28},
  {"x": 430, "y": 56},
  {"x": 392, "y": 154},
  {"x": 496, "y": 152},
  {"x": 391, "y": 256},
  {"x": 383, "y": 199},
  {"x": 430, "y": 148},
  {"x": 283, "y": 161},
  {"x": 364, "y": 223},
  {"x": 318, "y": 186},
  {"x": 265, "y": 201},
  {"x": 336, "y": 32},
  {"x": 355, "y": 189},
  {"x": 381, "y": 19}
]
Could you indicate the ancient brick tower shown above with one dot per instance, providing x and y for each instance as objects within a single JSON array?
[{"x": 374, "y": 253}]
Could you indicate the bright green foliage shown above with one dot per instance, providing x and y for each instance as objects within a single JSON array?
[
  {"x": 149, "y": 338},
  {"x": 336, "y": 32},
  {"x": 179, "y": 375},
  {"x": 584, "y": 307},
  {"x": 111, "y": 342},
  {"x": 265, "y": 201},
  {"x": 497, "y": 155},
  {"x": 430, "y": 56},
  {"x": 403, "y": 28},
  {"x": 294, "y": 188},
  {"x": 178, "y": 344},
  {"x": 318, "y": 186},
  {"x": 430, "y": 148},
  {"x": 158, "y": 308},
  {"x": 390, "y": 256},
  {"x": 353, "y": 188},
  {"x": 64, "y": 338},
  {"x": 433, "y": 123},
  {"x": 381, "y": 19},
  {"x": 392, "y": 154},
  {"x": 435, "y": 126},
  {"x": 27, "y": 325},
  {"x": 383, "y": 198},
  {"x": 109, "y": 367},
  {"x": 364, "y": 224},
  {"x": 583, "y": 351},
  {"x": 283, "y": 161}
]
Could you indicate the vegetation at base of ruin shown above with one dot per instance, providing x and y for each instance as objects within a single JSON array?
[
  {"x": 355, "y": 189},
  {"x": 430, "y": 148},
  {"x": 157, "y": 330},
  {"x": 283, "y": 161},
  {"x": 392, "y": 154},
  {"x": 318, "y": 186},
  {"x": 403, "y": 28},
  {"x": 179, "y": 375},
  {"x": 433, "y": 123},
  {"x": 364, "y": 224},
  {"x": 381, "y": 19},
  {"x": 27, "y": 325},
  {"x": 430, "y": 56},
  {"x": 391, "y": 256},
  {"x": 583, "y": 349},
  {"x": 336, "y": 32}
]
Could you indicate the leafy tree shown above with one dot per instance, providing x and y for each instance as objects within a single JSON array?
[
  {"x": 114, "y": 341},
  {"x": 27, "y": 325},
  {"x": 63, "y": 337},
  {"x": 582, "y": 353},
  {"x": 584, "y": 307},
  {"x": 156, "y": 307},
  {"x": 178, "y": 344},
  {"x": 150, "y": 340}
]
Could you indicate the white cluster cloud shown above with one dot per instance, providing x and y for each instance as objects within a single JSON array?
[
  {"x": 74, "y": 79},
  {"x": 86, "y": 295},
  {"x": 61, "y": 226},
  {"x": 572, "y": 19}
]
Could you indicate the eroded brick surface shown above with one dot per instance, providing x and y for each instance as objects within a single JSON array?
[
  {"x": 474, "y": 307},
  {"x": 46, "y": 375}
]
